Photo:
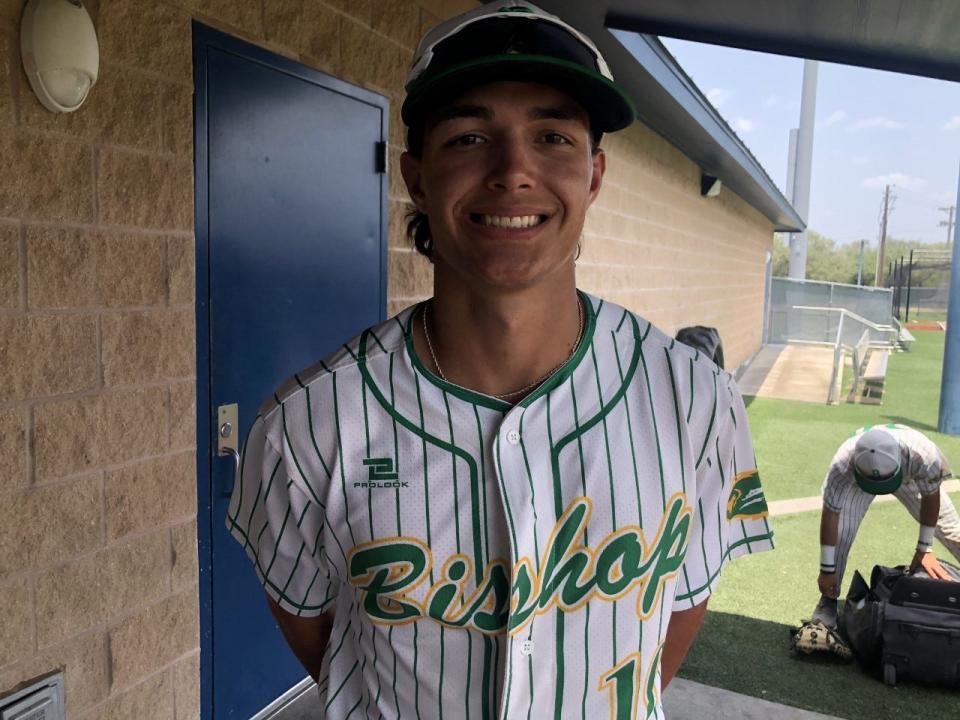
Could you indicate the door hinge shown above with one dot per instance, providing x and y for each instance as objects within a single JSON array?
[{"x": 381, "y": 150}]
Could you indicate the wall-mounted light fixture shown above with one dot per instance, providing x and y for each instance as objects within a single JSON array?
[
  {"x": 58, "y": 46},
  {"x": 710, "y": 185}
]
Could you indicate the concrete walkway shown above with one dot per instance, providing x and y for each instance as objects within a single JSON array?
[
  {"x": 798, "y": 505},
  {"x": 687, "y": 700},
  {"x": 683, "y": 700},
  {"x": 789, "y": 372}
]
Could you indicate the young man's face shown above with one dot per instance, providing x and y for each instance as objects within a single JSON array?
[{"x": 506, "y": 176}]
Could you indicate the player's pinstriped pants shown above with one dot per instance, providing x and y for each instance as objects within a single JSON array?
[{"x": 854, "y": 507}]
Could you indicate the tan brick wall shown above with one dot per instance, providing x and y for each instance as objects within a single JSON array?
[
  {"x": 98, "y": 566},
  {"x": 98, "y": 569},
  {"x": 653, "y": 244}
]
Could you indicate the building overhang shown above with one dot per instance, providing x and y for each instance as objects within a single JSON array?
[
  {"x": 906, "y": 36},
  {"x": 670, "y": 104}
]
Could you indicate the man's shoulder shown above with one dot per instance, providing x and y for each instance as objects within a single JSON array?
[
  {"x": 369, "y": 348},
  {"x": 611, "y": 317},
  {"x": 912, "y": 437}
]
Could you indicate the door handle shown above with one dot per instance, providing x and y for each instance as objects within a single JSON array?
[{"x": 227, "y": 420}]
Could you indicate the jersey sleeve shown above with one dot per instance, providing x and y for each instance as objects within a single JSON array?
[
  {"x": 280, "y": 526},
  {"x": 729, "y": 514},
  {"x": 929, "y": 469}
]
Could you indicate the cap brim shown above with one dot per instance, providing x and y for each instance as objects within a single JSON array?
[
  {"x": 607, "y": 105},
  {"x": 876, "y": 486}
]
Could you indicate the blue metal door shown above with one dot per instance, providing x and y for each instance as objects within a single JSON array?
[{"x": 291, "y": 261}]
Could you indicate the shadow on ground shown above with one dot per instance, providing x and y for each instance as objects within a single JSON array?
[
  {"x": 915, "y": 424},
  {"x": 753, "y": 657}
]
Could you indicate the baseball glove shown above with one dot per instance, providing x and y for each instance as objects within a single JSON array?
[{"x": 814, "y": 636}]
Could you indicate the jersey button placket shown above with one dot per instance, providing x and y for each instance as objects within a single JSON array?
[{"x": 514, "y": 480}]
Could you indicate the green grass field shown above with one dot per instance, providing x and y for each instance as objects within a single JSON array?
[
  {"x": 925, "y": 314},
  {"x": 744, "y": 645},
  {"x": 796, "y": 468}
]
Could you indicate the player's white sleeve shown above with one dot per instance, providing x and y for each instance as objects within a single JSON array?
[
  {"x": 928, "y": 469},
  {"x": 729, "y": 512},
  {"x": 280, "y": 527}
]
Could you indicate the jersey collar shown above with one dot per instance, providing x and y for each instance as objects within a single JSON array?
[{"x": 477, "y": 398}]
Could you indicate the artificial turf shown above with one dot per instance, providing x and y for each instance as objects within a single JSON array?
[{"x": 744, "y": 644}]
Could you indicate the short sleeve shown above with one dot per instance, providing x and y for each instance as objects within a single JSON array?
[
  {"x": 729, "y": 515},
  {"x": 280, "y": 527},
  {"x": 929, "y": 468}
]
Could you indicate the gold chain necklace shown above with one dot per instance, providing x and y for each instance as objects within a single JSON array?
[{"x": 525, "y": 388}]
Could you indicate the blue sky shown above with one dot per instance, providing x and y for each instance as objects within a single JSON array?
[{"x": 872, "y": 127}]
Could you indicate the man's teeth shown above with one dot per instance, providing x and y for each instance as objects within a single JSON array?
[{"x": 517, "y": 221}]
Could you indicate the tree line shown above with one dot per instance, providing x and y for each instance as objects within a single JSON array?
[{"x": 830, "y": 261}]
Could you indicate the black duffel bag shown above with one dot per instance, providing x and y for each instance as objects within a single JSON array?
[{"x": 906, "y": 625}]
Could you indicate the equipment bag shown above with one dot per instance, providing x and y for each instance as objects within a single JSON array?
[{"x": 906, "y": 625}]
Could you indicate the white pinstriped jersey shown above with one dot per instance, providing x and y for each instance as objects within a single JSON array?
[{"x": 488, "y": 560}]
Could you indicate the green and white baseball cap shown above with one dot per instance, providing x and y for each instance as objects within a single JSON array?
[
  {"x": 876, "y": 462},
  {"x": 513, "y": 41}
]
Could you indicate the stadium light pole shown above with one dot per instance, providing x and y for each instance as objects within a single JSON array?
[
  {"x": 949, "y": 418},
  {"x": 799, "y": 174}
]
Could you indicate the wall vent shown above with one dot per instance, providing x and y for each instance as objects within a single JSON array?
[{"x": 41, "y": 700}]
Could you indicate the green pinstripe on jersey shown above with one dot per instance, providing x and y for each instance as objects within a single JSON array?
[
  {"x": 522, "y": 594},
  {"x": 613, "y": 494}
]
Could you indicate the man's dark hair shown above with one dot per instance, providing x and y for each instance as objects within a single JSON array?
[{"x": 418, "y": 224}]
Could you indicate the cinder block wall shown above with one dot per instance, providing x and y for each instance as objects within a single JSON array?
[
  {"x": 98, "y": 569},
  {"x": 653, "y": 244}
]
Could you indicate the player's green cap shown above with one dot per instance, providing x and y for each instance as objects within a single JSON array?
[
  {"x": 876, "y": 462},
  {"x": 513, "y": 41}
]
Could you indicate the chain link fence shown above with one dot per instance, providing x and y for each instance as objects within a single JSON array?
[
  {"x": 920, "y": 283},
  {"x": 802, "y": 311}
]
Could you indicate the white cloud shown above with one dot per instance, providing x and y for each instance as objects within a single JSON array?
[
  {"x": 836, "y": 116},
  {"x": 906, "y": 182},
  {"x": 877, "y": 122},
  {"x": 743, "y": 125},
  {"x": 771, "y": 101},
  {"x": 718, "y": 96},
  {"x": 953, "y": 123}
]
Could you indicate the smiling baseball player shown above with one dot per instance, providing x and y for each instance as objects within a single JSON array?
[{"x": 514, "y": 499}]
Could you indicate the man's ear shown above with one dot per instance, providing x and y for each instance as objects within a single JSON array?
[
  {"x": 410, "y": 170},
  {"x": 599, "y": 161}
]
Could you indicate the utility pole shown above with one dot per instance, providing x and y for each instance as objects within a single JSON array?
[
  {"x": 860, "y": 264},
  {"x": 948, "y": 223},
  {"x": 878, "y": 280}
]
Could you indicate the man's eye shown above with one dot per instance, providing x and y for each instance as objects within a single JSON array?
[
  {"x": 468, "y": 139},
  {"x": 556, "y": 139}
]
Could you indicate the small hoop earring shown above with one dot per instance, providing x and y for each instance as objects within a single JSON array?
[{"x": 579, "y": 250}]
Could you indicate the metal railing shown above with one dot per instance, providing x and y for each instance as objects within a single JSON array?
[
  {"x": 850, "y": 331},
  {"x": 787, "y": 325}
]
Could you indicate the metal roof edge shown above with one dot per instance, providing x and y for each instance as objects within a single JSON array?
[{"x": 692, "y": 124}]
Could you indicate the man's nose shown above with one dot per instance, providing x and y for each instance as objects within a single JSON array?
[{"x": 512, "y": 167}]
